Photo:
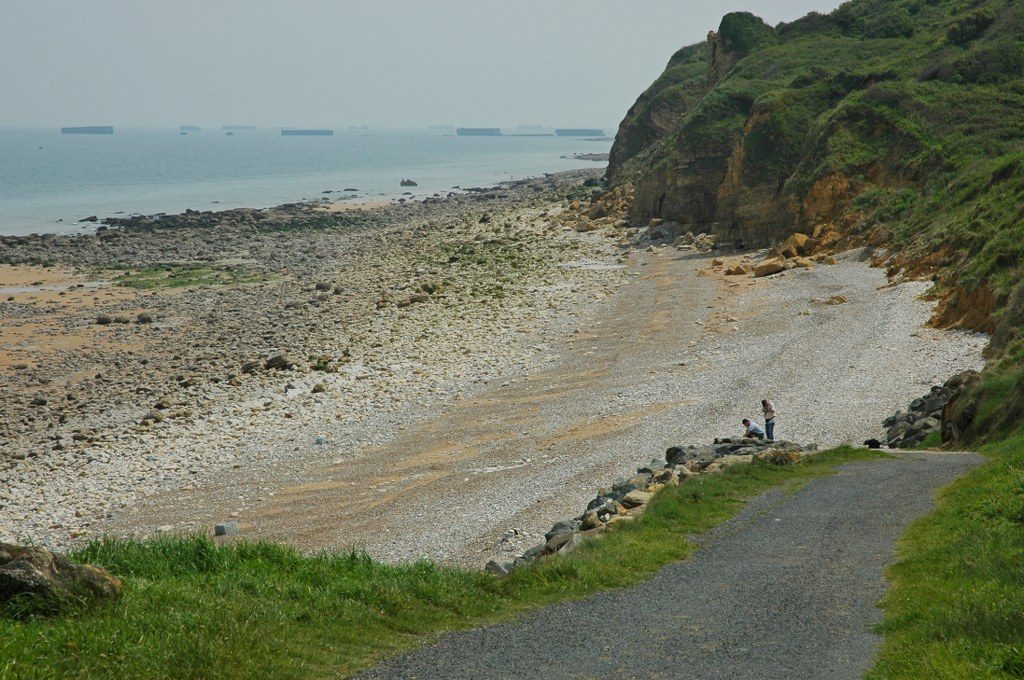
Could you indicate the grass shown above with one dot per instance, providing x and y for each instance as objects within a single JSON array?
[
  {"x": 910, "y": 107},
  {"x": 956, "y": 608},
  {"x": 185, "y": 276},
  {"x": 195, "y": 610}
]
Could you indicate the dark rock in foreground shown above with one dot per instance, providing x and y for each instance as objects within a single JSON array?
[
  {"x": 47, "y": 582},
  {"x": 925, "y": 414}
]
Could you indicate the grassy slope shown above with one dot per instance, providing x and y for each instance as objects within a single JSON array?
[
  {"x": 193, "y": 610},
  {"x": 957, "y": 605},
  {"x": 916, "y": 103}
]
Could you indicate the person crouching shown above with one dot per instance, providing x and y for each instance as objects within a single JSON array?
[{"x": 754, "y": 430}]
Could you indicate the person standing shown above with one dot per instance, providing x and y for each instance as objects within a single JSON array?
[{"x": 769, "y": 418}]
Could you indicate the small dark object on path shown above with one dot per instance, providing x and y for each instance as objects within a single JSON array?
[{"x": 872, "y": 443}]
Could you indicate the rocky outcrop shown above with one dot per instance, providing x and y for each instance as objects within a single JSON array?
[
  {"x": 960, "y": 410},
  {"x": 36, "y": 580},
  {"x": 768, "y": 135},
  {"x": 626, "y": 500},
  {"x": 720, "y": 58},
  {"x": 937, "y": 411}
]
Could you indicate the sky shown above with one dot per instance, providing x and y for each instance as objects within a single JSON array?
[{"x": 336, "y": 63}]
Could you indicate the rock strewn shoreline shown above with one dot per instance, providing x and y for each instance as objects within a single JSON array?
[{"x": 361, "y": 311}]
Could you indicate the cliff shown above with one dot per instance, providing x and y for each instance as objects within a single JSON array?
[{"x": 895, "y": 122}]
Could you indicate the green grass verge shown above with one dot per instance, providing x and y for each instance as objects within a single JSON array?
[
  {"x": 956, "y": 608},
  {"x": 195, "y": 610}
]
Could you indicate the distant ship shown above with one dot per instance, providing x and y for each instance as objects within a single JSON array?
[
  {"x": 307, "y": 133},
  {"x": 478, "y": 132},
  {"x": 579, "y": 132},
  {"x": 88, "y": 130},
  {"x": 531, "y": 131},
  {"x": 190, "y": 128},
  {"x": 237, "y": 127}
]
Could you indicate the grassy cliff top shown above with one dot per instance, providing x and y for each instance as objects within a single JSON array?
[{"x": 899, "y": 121}]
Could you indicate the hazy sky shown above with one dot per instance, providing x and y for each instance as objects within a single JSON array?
[{"x": 324, "y": 63}]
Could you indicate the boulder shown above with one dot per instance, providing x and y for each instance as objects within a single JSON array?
[
  {"x": 736, "y": 459},
  {"x": 769, "y": 267},
  {"x": 560, "y": 529},
  {"x": 493, "y": 567},
  {"x": 800, "y": 263},
  {"x": 414, "y": 299},
  {"x": 652, "y": 468},
  {"x": 777, "y": 457},
  {"x": 799, "y": 244},
  {"x": 557, "y": 542},
  {"x": 584, "y": 226},
  {"x": 659, "y": 231},
  {"x": 635, "y": 499},
  {"x": 279, "y": 362},
  {"x": 591, "y": 520},
  {"x": 227, "y": 529},
  {"x": 51, "y": 582}
]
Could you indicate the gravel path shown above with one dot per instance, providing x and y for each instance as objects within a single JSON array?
[
  {"x": 675, "y": 356},
  {"x": 785, "y": 590}
]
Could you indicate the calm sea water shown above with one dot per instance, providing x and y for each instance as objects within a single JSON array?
[{"x": 49, "y": 181}]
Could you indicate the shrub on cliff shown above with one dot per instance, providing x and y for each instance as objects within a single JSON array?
[
  {"x": 970, "y": 27},
  {"x": 744, "y": 32},
  {"x": 1001, "y": 61},
  {"x": 893, "y": 23},
  {"x": 913, "y": 105}
]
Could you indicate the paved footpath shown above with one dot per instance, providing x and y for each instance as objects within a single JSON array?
[{"x": 787, "y": 589}]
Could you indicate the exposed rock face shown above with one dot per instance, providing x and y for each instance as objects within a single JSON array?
[
  {"x": 745, "y": 147},
  {"x": 704, "y": 172},
  {"x": 720, "y": 58},
  {"x": 51, "y": 580},
  {"x": 959, "y": 412},
  {"x": 947, "y": 408},
  {"x": 658, "y": 112}
]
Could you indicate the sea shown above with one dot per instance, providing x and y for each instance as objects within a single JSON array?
[{"x": 50, "y": 181}]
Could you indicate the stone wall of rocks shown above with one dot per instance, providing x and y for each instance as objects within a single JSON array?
[
  {"x": 626, "y": 500},
  {"x": 906, "y": 430}
]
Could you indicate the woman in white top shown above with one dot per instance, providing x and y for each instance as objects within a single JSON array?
[{"x": 769, "y": 418}]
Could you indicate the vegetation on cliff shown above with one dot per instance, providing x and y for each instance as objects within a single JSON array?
[{"x": 896, "y": 122}]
